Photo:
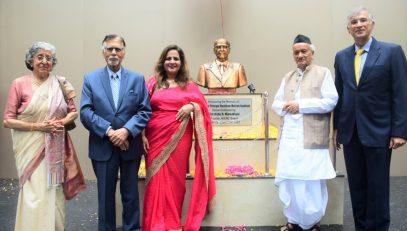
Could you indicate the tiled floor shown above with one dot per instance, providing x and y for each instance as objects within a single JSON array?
[{"x": 81, "y": 212}]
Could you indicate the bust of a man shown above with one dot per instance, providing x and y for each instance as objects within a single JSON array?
[{"x": 221, "y": 75}]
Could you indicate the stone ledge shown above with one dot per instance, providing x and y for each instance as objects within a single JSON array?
[{"x": 248, "y": 202}]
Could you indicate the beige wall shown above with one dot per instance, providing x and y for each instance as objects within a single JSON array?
[{"x": 261, "y": 33}]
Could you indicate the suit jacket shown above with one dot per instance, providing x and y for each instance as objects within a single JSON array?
[
  {"x": 378, "y": 105},
  {"x": 98, "y": 112},
  {"x": 209, "y": 76}
]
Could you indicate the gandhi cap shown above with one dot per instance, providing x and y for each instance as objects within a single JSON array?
[{"x": 302, "y": 39}]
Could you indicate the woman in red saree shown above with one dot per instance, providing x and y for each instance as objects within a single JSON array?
[
  {"x": 38, "y": 107},
  {"x": 168, "y": 141}
]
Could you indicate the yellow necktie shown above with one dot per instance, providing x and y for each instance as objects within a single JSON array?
[{"x": 358, "y": 61}]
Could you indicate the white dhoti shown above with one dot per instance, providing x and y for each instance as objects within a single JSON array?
[
  {"x": 301, "y": 175},
  {"x": 304, "y": 201}
]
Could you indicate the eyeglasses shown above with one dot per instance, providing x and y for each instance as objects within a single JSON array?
[
  {"x": 221, "y": 47},
  {"x": 111, "y": 49},
  {"x": 45, "y": 58},
  {"x": 355, "y": 21}
]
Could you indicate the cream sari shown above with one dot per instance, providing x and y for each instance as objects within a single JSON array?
[{"x": 40, "y": 207}]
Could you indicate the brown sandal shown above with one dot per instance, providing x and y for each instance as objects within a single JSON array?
[
  {"x": 315, "y": 228},
  {"x": 291, "y": 227}
]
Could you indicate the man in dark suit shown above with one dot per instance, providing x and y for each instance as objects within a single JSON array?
[
  {"x": 115, "y": 109},
  {"x": 370, "y": 117}
]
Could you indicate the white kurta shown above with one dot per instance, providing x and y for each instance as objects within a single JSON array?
[{"x": 299, "y": 170}]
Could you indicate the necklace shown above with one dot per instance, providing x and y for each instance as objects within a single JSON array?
[{"x": 171, "y": 83}]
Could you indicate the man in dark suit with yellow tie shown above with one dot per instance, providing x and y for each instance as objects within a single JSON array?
[{"x": 370, "y": 117}]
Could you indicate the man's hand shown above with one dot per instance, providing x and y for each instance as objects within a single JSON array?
[
  {"x": 396, "y": 142},
  {"x": 124, "y": 146},
  {"x": 291, "y": 107},
  {"x": 119, "y": 137},
  {"x": 336, "y": 144}
]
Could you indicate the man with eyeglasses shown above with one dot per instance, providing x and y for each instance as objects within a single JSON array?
[
  {"x": 115, "y": 109},
  {"x": 370, "y": 118},
  {"x": 221, "y": 75}
]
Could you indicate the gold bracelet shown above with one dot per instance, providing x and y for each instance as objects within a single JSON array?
[{"x": 32, "y": 126}]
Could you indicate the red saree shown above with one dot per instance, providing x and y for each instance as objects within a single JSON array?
[{"x": 168, "y": 157}]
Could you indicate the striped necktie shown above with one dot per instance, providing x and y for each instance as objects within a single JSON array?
[
  {"x": 115, "y": 89},
  {"x": 358, "y": 62}
]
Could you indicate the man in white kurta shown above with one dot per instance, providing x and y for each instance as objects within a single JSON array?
[{"x": 306, "y": 96}]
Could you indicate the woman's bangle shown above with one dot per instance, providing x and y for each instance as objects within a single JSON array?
[{"x": 32, "y": 126}]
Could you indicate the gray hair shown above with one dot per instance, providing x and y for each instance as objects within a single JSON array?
[
  {"x": 110, "y": 37},
  {"x": 313, "y": 48},
  {"x": 33, "y": 50},
  {"x": 357, "y": 10}
]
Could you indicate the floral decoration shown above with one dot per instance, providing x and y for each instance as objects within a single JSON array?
[{"x": 230, "y": 171}]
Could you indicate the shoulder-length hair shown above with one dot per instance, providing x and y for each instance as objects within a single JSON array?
[{"x": 182, "y": 77}]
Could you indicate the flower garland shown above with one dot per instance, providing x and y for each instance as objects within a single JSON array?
[
  {"x": 237, "y": 170},
  {"x": 243, "y": 170},
  {"x": 231, "y": 171},
  {"x": 236, "y": 228}
]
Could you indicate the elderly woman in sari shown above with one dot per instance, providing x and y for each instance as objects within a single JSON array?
[
  {"x": 38, "y": 109},
  {"x": 167, "y": 140}
]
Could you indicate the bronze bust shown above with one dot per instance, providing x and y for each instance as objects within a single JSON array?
[{"x": 221, "y": 75}]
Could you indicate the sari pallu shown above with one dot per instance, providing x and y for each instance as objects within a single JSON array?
[
  {"x": 168, "y": 158},
  {"x": 40, "y": 207}
]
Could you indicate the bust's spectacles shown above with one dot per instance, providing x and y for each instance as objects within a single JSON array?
[{"x": 221, "y": 47}]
